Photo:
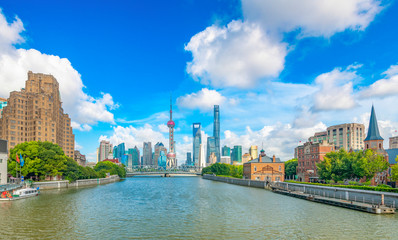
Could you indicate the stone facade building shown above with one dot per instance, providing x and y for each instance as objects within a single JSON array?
[
  {"x": 80, "y": 158},
  {"x": 264, "y": 168},
  {"x": 35, "y": 114},
  {"x": 393, "y": 144},
  {"x": 349, "y": 136},
  {"x": 308, "y": 155}
]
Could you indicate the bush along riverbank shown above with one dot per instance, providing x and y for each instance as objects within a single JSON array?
[
  {"x": 224, "y": 170},
  {"x": 381, "y": 188}
]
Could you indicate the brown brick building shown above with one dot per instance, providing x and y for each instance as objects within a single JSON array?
[
  {"x": 264, "y": 168},
  {"x": 35, "y": 114},
  {"x": 308, "y": 155}
]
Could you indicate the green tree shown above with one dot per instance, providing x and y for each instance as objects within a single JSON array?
[
  {"x": 291, "y": 167},
  {"x": 109, "y": 167},
  {"x": 394, "y": 171},
  {"x": 41, "y": 159}
]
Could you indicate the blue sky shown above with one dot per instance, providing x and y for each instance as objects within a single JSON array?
[{"x": 280, "y": 71}]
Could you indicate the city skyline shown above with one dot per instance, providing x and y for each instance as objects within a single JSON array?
[{"x": 323, "y": 75}]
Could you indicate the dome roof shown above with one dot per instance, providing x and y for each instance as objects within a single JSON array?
[{"x": 171, "y": 123}]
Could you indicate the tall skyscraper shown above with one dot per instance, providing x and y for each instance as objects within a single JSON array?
[
  {"x": 147, "y": 154},
  {"x": 162, "y": 160},
  {"x": 211, "y": 149},
  {"x": 171, "y": 156},
  {"x": 237, "y": 154},
  {"x": 202, "y": 159},
  {"x": 253, "y": 151},
  {"x": 135, "y": 155},
  {"x": 197, "y": 140},
  {"x": 189, "y": 159},
  {"x": 158, "y": 148},
  {"x": 35, "y": 114},
  {"x": 104, "y": 149},
  {"x": 216, "y": 131},
  {"x": 226, "y": 151},
  {"x": 119, "y": 152}
]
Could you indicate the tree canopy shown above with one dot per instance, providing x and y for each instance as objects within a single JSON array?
[
  {"x": 224, "y": 169},
  {"x": 290, "y": 167},
  {"x": 342, "y": 165}
]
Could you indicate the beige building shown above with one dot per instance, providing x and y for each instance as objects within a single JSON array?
[
  {"x": 319, "y": 137},
  {"x": 35, "y": 114},
  {"x": 246, "y": 157},
  {"x": 393, "y": 142},
  {"x": 103, "y": 151},
  {"x": 253, "y": 151},
  {"x": 347, "y": 136}
]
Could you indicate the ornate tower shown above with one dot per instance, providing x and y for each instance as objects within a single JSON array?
[
  {"x": 374, "y": 140},
  {"x": 171, "y": 156}
]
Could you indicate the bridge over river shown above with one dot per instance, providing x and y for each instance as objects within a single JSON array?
[{"x": 164, "y": 174}]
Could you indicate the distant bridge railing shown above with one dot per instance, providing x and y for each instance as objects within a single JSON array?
[{"x": 141, "y": 173}]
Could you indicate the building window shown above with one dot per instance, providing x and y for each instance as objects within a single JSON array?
[{"x": 255, "y": 168}]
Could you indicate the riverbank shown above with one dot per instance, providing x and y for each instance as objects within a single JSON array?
[
  {"x": 361, "y": 200},
  {"x": 77, "y": 183}
]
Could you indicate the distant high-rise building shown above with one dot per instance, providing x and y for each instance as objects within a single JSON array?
[
  {"x": 253, "y": 151},
  {"x": 226, "y": 159},
  {"x": 393, "y": 144},
  {"x": 79, "y": 158},
  {"x": 119, "y": 152},
  {"x": 197, "y": 140},
  {"x": 35, "y": 114},
  {"x": 237, "y": 154},
  {"x": 3, "y": 103},
  {"x": 147, "y": 154},
  {"x": 135, "y": 156},
  {"x": 246, "y": 157},
  {"x": 226, "y": 151},
  {"x": 104, "y": 149},
  {"x": 211, "y": 148},
  {"x": 202, "y": 157},
  {"x": 216, "y": 131},
  {"x": 162, "y": 159},
  {"x": 158, "y": 148},
  {"x": 189, "y": 159},
  {"x": 319, "y": 137}
]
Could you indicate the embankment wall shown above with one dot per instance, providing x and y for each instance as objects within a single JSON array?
[{"x": 78, "y": 183}]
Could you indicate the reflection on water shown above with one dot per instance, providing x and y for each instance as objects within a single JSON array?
[{"x": 153, "y": 208}]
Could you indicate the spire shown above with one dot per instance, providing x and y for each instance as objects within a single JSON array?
[
  {"x": 373, "y": 130},
  {"x": 171, "y": 108}
]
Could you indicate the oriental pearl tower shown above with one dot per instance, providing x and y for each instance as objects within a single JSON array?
[{"x": 171, "y": 156}]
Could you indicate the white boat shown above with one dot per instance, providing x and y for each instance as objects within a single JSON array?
[{"x": 19, "y": 194}]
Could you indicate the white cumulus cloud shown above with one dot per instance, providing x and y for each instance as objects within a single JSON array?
[
  {"x": 237, "y": 55},
  {"x": 205, "y": 100},
  {"x": 312, "y": 17},
  {"x": 15, "y": 63},
  {"x": 336, "y": 89},
  {"x": 387, "y": 86}
]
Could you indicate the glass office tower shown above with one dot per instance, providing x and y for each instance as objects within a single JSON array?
[{"x": 197, "y": 140}]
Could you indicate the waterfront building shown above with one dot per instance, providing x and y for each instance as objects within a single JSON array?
[
  {"x": 211, "y": 148},
  {"x": 189, "y": 159},
  {"x": 393, "y": 144},
  {"x": 226, "y": 151},
  {"x": 171, "y": 156},
  {"x": 349, "y": 136},
  {"x": 264, "y": 168},
  {"x": 237, "y": 154},
  {"x": 158, "y": 148},
  {"x": 147, "y": 154},
  {"x": 253, "y": 151},
  {"x": 246, "y": 157},
  {"x": 104, "y": 149},
  {"x": 79, "y": 158},
  {"x": 197, "y": 140},
  {"x": 3, "y": 161},
  {"x": 216, "y": 131},
  {"x": 226, "y": 159},
  {"x": 3, "y": 103},
  {"x": 308, "y": 155},
  {"x": 35, "y": 114},
  {"x": 319, "y": 137},
  {"x": 135, "y": 156}
]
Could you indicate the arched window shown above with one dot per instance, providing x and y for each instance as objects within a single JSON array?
[
  {"x": 367, "y": 146},
  {"x": 255, "y": 168},
  {"x": 379, "y": 145}
]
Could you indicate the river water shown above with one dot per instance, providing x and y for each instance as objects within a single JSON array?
[{"x": 183, "y": 208}]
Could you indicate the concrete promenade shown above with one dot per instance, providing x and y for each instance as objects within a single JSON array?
[{"x": 78, "y": 183}]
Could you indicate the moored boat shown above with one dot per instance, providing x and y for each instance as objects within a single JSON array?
[{"x": 19, "y": 194}]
